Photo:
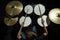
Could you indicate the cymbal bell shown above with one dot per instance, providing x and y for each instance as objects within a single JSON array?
[
  {"x": 54, "y": 15},
  {"x": 10, "y": 21},
  {"x": 14, "y": 8}
]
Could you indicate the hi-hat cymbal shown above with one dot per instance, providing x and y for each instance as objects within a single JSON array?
[
  {"x": 14, "y": 8},
  {"x": 10, "y": 21},
  {"x": 54, "y": 15}
]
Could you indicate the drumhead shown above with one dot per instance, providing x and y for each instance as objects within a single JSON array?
[
  {"x": 46, "y": 23},
  {"x": 27, "y": 21},
  {"x": 28, "y": 9},
  {"x": 37, "y": 11}
]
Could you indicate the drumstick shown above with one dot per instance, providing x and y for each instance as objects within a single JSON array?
[
  {"x": 23, "y": 22},
  {"x": 45, "y": 29},
  {"x": 22, "y": 25},
  {"x": 42, "y": 21}
]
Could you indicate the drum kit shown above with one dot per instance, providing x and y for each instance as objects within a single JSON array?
[{"x": 14, "y": 8}]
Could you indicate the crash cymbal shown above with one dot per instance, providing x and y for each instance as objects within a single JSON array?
[
  {"x": 14, "y": 8},
  {"x": 54, "y": 15},
  {"x": 10, "y": 21}
]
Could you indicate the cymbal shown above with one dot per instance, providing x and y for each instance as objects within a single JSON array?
[
  {"x": 14, "y": 8},
  {"x": 54, "y": 15},
  {"x": 10, "y": 21}
]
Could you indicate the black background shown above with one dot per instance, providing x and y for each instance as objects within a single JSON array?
[{"x": 53, "y": 29}]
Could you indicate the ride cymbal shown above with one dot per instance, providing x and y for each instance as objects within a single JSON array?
[
  {"x": 54, "y": 15},
  {"x": 10, "y": 21},
  {"x": 14, "y": 8}
]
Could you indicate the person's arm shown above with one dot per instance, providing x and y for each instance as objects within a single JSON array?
[
  {"x": 22, "y": 25},
  {"x": 18, "y": 35},
  {"x": 19, "y": 32},
  {"x": 45, "y": 29}
]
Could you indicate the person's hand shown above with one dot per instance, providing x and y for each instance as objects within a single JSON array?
[
  {"x": 45, "y": 34},
  {"x": 45, "y": 29},
  {"x": 19, "y": 36}
]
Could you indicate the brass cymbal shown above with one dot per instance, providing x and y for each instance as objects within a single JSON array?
[
  {"x": 10, "y": 21},
  {"x": 54, "y": 15},
  {"x": 14, "y": 8}
]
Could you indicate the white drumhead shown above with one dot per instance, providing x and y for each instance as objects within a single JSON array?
[
  {"x": 37, "y": 11},
  {"x": 27, "y": 21},
  {"x": 28, "y": 9},
  {"x": 45, "y": 22}
]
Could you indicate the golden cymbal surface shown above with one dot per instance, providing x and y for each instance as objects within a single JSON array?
[
  {"x": 10, "y": 21},
  {"x": 14, "y": 8},
  {"x": 54, "y": 15}
]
